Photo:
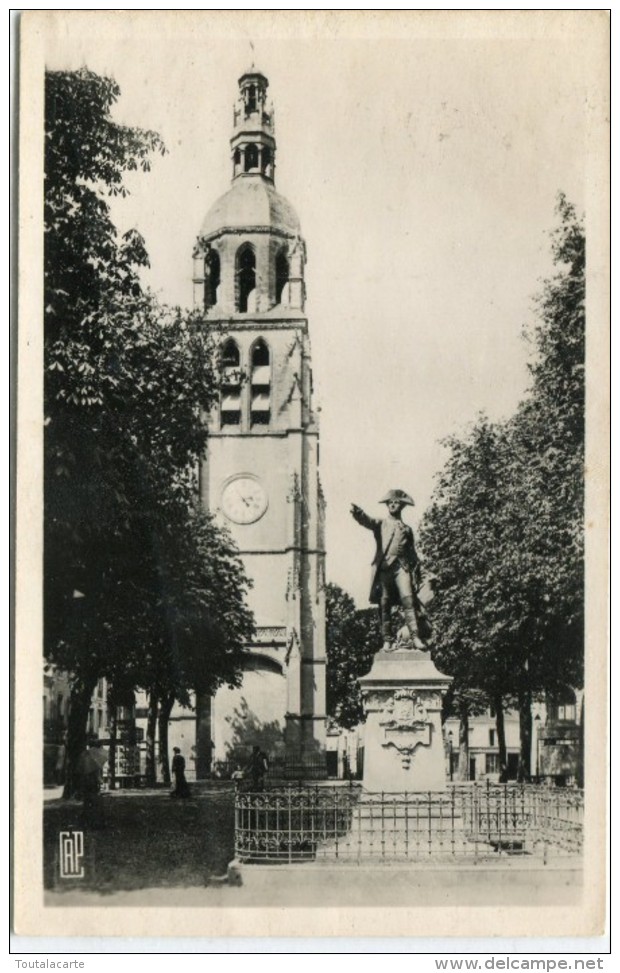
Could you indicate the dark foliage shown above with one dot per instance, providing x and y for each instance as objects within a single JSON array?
[
  {"x": 504, "y": 532},
  {"x": 353, "y": 637},
  {"x": 140, "y": 586}
]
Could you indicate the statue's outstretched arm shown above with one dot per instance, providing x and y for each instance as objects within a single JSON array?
[{"x": 362, "y": 518}]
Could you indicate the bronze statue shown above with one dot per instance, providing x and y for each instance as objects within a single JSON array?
[{"x": 396, "y": 571}]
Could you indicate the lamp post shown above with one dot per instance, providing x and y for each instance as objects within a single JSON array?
[
  {"x": 450, "y": 743},
  {"x": 537, "y": 722}
]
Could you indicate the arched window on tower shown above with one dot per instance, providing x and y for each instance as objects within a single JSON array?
[
  {"x": 282, "y": 273},
  {"x": 260, "y": 385},
  {"x": 236, "y": 161},
  {"x": 246, "y": 277},
  {"x": 251, "y": 99},
  {"x": 212, "y": 277},
  {"x": 251, "y": 157},
  {"x": 230, "y": 394}
]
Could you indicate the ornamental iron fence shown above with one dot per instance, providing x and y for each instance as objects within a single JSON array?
[{"x": 470, "y": 823}]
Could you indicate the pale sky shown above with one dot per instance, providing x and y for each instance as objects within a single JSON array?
[{"x": 424, "y": 173}]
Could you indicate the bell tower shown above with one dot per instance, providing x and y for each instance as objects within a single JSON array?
[
  {"x": 260, "y": 476},
  {"x": 253, "y": 143}
]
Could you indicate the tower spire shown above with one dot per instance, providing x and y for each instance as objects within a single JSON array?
[{"x": 253, "y": 143}]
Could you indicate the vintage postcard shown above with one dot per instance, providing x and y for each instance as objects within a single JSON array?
[{"x": 312, "y": 508}]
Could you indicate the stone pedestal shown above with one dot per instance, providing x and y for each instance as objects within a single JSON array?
[{"x": 403, "y": 741}]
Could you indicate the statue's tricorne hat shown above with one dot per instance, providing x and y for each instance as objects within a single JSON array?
[{"x": 399, "y": 495}]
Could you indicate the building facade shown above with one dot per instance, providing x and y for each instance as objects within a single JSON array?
[
  {"x": 260, "y": 476},
  {"x": 559, "y": 739},
  {"x": 56, "y": 701},
  {"x": 556, "y": 742},
  {"x": 483, "y": 747}
]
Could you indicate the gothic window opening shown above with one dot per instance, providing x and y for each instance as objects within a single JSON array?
[
  {"x": 230, "y": 394},
  {"x": 251, "y": 101},
  {"x": 260, "y": 390},
  {"x": 282, "y": 274},
  {"x": 236, "y": 161},
  {"x": 212, "y": 278},
  {"x": 246, "y": 277},
  {"x": 251, "y": 157}
]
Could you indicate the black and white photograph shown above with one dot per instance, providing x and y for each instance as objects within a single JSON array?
[{"x": 312, "y": 473}]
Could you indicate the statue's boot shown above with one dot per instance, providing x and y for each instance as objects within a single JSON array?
[
  {"x": 386, "y": 631},
  {"x": 412, "y": 625}
]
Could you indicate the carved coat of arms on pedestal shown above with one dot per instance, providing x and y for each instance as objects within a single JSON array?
[{"x": 406, "y": 723}]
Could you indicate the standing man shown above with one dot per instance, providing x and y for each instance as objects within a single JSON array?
[
  {"x": 181, "y": 787},
  {"x": 396, "y": 572},
  {"x": 258, "y": 767},
  {"x": 90, "y": 764}
]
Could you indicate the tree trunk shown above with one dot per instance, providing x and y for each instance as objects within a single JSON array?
[
  {"x": 580, "y": 777},
  {"x": 112, "y": 757},
  {"x": 501, "y": 738},
  {"x": 151, "y": 728},
  {"x": 81, "y": 694},
  {"x": 525, "y": 734},
  {"x": 463, "y": 768},
  {"x": 165, "y": 710}
]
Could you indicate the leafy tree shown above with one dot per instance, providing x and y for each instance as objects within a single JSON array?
[
  {"x": 128, "y": 385},
  {"x": 504, "y": 533},
  {"x": 547, "y": 436},
  {"x": 466, "y": 538},
  {"x": 353, "y": 637},
  {"x": 86, "y": 156},
  {"x": 92, "y": 291},
  {"x": 119, "y": 483},
  {"x": 200, "y": 620}
]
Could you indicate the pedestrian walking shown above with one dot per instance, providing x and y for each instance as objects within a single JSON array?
[{"x": 181, "y": 787}]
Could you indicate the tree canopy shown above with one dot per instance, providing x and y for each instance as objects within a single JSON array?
[
  {"x": 140, "y": 585},
  {"x": 353, "y": 636},
  {"x": 548, "y": 438},
  {"x": 504, "y": 531}
]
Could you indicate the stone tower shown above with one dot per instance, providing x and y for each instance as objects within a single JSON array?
[{"x": 260, "y": 473}]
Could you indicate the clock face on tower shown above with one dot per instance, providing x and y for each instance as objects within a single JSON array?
[{"x": 244, "y": 499}]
